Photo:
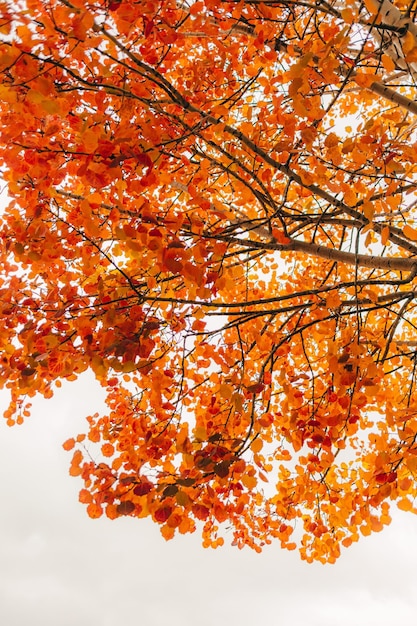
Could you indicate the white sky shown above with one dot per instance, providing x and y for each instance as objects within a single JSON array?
[{"x": 60, "y": 568}]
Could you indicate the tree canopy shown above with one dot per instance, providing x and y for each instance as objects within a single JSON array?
[{"x": 213, "y": 208}]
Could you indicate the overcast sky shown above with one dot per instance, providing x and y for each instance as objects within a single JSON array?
[{"x": 59, "y": 568}]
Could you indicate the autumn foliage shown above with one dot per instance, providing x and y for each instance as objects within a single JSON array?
[{"x": 213, "y": 208}]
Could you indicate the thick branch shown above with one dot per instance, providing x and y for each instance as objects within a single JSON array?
[
  {"x": 339, "y": 256},
  {"x": 393, "y": 96}
]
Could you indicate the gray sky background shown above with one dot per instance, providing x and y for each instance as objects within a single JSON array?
[{"x": 59, "y": 568}]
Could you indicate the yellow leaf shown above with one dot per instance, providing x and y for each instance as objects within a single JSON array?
[
  {"x": 200, "y": 433},
  {"x": 366, "y": 529},
  {"x": 404, "y": 504},
  {"x": 129, "y": 366},
  {"x": 226, "y": 391},
  {"x": 249, "y": 481},
  {"x": 51, "y": 106}
]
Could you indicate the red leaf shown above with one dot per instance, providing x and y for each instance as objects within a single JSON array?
[
  {"x": 161, "y": 515},
  {"x": 126, "y": 507},
  {"x": 113, "y": 5},
  {"x": 200, "y": 511}
]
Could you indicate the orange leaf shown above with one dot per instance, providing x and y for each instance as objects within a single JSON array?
[
  {"x": 68, "y": 444},
  {"x": 410, "y": 233},
  {"x": 404, "y": 504},
  {"x": 107, "y": 449},
  {"x": 94, "y": 510},
  {"x": 385, "y": 233},
  {"x": 192, "y": 244}
]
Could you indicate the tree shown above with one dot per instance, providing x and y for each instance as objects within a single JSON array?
[{"x": 213, "y": 208}]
